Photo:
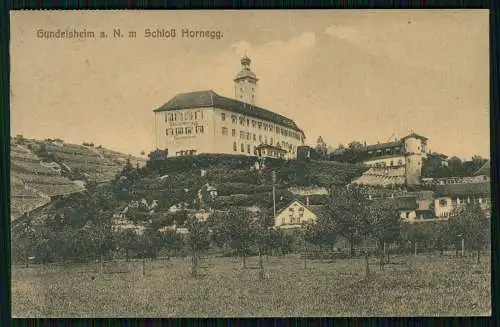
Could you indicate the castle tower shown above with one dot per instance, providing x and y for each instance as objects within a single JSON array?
[
  {"x": 415, "y": 152},
  {"x": 245, "y": 83}
]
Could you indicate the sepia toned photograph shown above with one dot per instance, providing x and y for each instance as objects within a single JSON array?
[{"x": 284, "y": 163}]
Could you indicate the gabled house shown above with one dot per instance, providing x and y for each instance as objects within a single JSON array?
[{"x": 296, "y": 213}]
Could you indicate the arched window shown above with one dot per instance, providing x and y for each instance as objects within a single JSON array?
[
  {"x": 242, "y": 147},
  {"x": 234, "y": 146}
]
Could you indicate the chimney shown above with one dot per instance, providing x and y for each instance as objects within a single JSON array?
[{"x": 307, "y": 200}]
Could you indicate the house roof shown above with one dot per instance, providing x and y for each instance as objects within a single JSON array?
[
  {"x": 414, "y": 135},
  {"x": 401, "y": 203},
  {"x": 208, "y": 99},
  {"x": 422, "y": 195},
  {"x": 381, "y": 146},
  {"x": 484, "y": 170},
  {"x": 318, "y": 210},
  {"x": 267, "y": 146},
  {"x": 463, "y": 189}
]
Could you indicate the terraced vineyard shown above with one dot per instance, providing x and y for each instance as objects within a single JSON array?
[{"x": 61, "y": 169}]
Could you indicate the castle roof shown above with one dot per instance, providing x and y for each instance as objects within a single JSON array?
[
  {"x": 415, "y": 135},
  {"x": 245, "y": 73},
  {"x": 209, "y": 99},
  {"x": 381, "y": 146}
]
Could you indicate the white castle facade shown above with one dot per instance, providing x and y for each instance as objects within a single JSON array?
[{"x": 206, "y": 122}]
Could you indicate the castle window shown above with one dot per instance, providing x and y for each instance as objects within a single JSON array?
[
  {"x": 233, "y": 132},
  {"x": 233, "y": 119},
  {"x": 254, "y": 150},
  {"x": 242, "y": 135},
  {"x": 179, "y": 131},
  {"x": 199, "y": 129},
  {"x": 400, "y": 162},
  {"x": 259, "y": 124},
  {"x": 254, "y": 123},
  {"x": 248, "y": 136},
  {"x": 189, "y": 130},
  {"x": 248, "y": 122},
  {"x": 170, "y": 117},
  {"x": 271, "y": 141},
  {"x": 277, "y": 130},
  {"x": 224, "y": 130},
  {"x": 248, "y": 148},
  {"x": 223, "y": 116},
  {"x": 242, "y": 121},
  {"x": 392, "y": 163},
  {"x": 242, "y": 147},
  {"x": 234, "y": 146}
]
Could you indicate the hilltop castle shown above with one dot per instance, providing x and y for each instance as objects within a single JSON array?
[{"x": 206, "y": 122}]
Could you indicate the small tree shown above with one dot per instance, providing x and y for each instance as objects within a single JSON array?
[
  {"x": 172, "y": 242},
  {"x": 197, "y": 239},
  {"x": 260, "y": 228},
  {"x": 348, "y": 208},
  {"x": 473, "y": 226},
  {"x": 235, "y": 229},
  {"x": 128, "y": 240},
  {"x": 384, "y": 225}
]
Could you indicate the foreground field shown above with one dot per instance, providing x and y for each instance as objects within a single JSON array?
[{"x": 409, "y": 286}]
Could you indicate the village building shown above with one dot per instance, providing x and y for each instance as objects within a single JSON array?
[
  {"x": 450, "y": 197},
  {"x": 397, "y": 162},
  {"x": 206, "y": 122},
  {"x": 297, "y": 213}
]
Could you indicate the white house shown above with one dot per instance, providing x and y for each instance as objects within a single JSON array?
[
  {"x": 296, "y": 213},
  {"x": 451, "y": 196}
]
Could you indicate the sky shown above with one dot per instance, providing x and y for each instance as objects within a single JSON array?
[{"x": 343, "y": 75}]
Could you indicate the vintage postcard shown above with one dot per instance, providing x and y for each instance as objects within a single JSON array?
[{"x": 250, "y": 163}]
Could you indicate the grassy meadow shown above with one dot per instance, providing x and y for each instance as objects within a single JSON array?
[{"x": 409, "y": 286}]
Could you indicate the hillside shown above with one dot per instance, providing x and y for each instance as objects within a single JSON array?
[
  {"x": 183, "y": 181},
  {"x": 41, "y": 170},
  {"x": 238, "y": 183}
]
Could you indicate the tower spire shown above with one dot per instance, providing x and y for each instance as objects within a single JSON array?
[{"x": 245, "y": 82}]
